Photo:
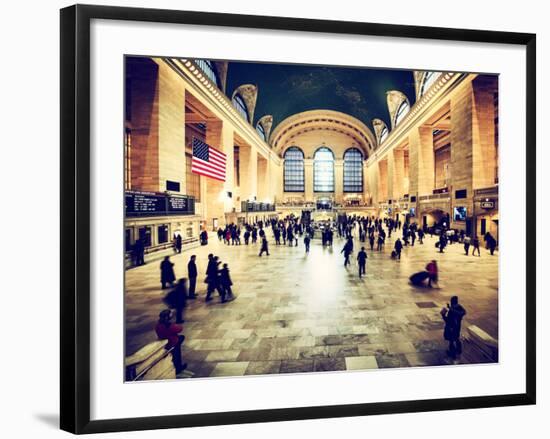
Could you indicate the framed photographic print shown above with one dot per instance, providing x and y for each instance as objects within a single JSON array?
[{"x": 285, "y": 219}]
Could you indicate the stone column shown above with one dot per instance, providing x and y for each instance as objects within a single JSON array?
[
  {"x": 366, "y": 183},
  {"x": 248, "y": 158},
  {"x": 171, "y": 139},
  {"x": 338, "y": 180},
  {"x": 143, "y": 116},
  {"x": 421, "y": 161},
  {"x": 398, "y": 176},
  {"x": 483, "y": 135},
  {"x": 308, "y": 175},
  {"x": 383, "y": 180},
  {"x": 219, "y": 136},
  {"x": 263, "y": 183}
]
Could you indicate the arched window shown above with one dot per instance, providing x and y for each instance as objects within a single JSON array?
[
  {"x": 353, "y": 170},
  {"x": 261, "y": 131},
  {"x": 239, "y": 104},
  {"x": 323, "y": 170},
  {"x": 209, "y": 70},
  {"x": 402, "y": 112},
  {"x": 383, "y": 134},
  {"x": 294, "y": 170},
  {"x": 428, "y": 80}
]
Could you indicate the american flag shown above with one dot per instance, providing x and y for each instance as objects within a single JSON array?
[{"x": 208, "y": 161}]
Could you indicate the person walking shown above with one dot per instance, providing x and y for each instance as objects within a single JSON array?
[
  {"x": 442, "y": 242},
  {"x": 212, "y": 277},
  {"x": 467, "y": 241},
  {"x": 166, "y": 330},
  {"x": 178, "y": 244},
  {"x": 398, "y": 246},
  {"x": 452, "y": 316},
  {"x": 420, "y": 236},
  {"x": 264, "y": 248},
  {"x": 433, "y": 273},
  {"x": 167, "y": 275},
  {"x": 347, "y": 252},
  {"x": 362, "y": 261},
  {"x": 192, "y": 274},
  {"x": 491, "y": 243},
  {"x": 307, "y": 241},
  {"x": 226, "y": 283},
  {"x": 177, "y": 299},
  {"x": 475, "y": 244},
  {"x": 371, "y": 241}
]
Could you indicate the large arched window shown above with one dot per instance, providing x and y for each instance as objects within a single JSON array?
[
  {"x": 428, "y": 80},
  {"x": 261, "y": 131},
  {"x": 383, "y": 134},
  {"x": 239, "y": 104},
  {"x": 353, "y": 170},
  {"x": 402, "y": 112},
  {"x": 323, "y": 170},
  {"x": 294, "y": 170},
  {"x": 209, "y": 70}
]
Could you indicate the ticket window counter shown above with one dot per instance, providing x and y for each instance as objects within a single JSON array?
[
  {"x": 128, "y": 239},
  {"x": 145, "y": 235},
  {"x": 162, "y": 234}
]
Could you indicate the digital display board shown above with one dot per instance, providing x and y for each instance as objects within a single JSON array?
[{"x": 150, "y": 204}]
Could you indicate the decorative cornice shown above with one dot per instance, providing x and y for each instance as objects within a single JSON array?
[{"x": 202, "y": 85}]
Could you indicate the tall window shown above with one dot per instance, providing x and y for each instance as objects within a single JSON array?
[
  {"x": 261, "y": 131},
  {"x": 402, "y": 112},
  {"x": 239, "y": 104},
  {"x": 209, "y": 70},
  {"x": 323, "y": 170},
  {"x": 294, "y": 170},
  {"x": 383, "y": 134},
  {"x": 429, "y": 79},
  {"x": 353, "y": 170}
]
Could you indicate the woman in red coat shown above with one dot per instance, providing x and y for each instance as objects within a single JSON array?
[
  {"x": 431, "y": 268},
  {"x": 166, "y": 330}
]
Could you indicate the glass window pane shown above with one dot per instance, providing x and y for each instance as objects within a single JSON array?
[
  {"x": 323, "y": 170},
  {"x": 353, "y": 170},
  {"x": 294, "y": 180},
  {"x": 208, "y": 69},
  {"x": 240, "y": 106}
]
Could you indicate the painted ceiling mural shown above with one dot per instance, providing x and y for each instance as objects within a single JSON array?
[{"x": 287, "y": 89}]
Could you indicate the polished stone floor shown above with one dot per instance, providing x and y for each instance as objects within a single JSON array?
[{"x": 302, "y": 313}]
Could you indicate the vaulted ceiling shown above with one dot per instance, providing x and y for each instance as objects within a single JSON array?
[{"x": 287, "y": 89}]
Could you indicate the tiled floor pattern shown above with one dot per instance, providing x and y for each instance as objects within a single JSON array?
[{"x": 301, "y": 313}]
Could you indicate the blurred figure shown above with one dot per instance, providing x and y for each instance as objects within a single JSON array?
[
  {"x": 226, "y": 283},
  {"x": 432, "y": 270},
  {"x": 264, "y": 248},
  {"x": 177, "y": 299},
  {"x": 166, "y": 330},
  {"x": 167, "y": 275}
]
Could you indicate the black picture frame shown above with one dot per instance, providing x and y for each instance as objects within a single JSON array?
[{"x": 75, "y": 217}]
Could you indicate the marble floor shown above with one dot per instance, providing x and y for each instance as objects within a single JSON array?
[{"x": 303, "y": 313}]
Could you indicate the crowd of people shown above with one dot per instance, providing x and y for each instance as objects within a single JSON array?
[{"x": 370, "y": 231}]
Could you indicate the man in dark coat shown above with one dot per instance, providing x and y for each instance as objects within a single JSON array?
[
  {"x": 307, "y": 241},
  {"x": 178, "y": 244},
  {"x": 264, "y": 248},
  {"x": 362, "y": 261},
  {"x": 225, "y": 282},
  {"x": 398, "y": 247},
  {"x": 177, "y": 299},
  {"x": 167, "y": 275},
  {"x": 192, "y": 274},
  {"x": 347, "y": 252},
  {"x": 452, "y": 315},
  {"x": 213, "y": 279}
]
